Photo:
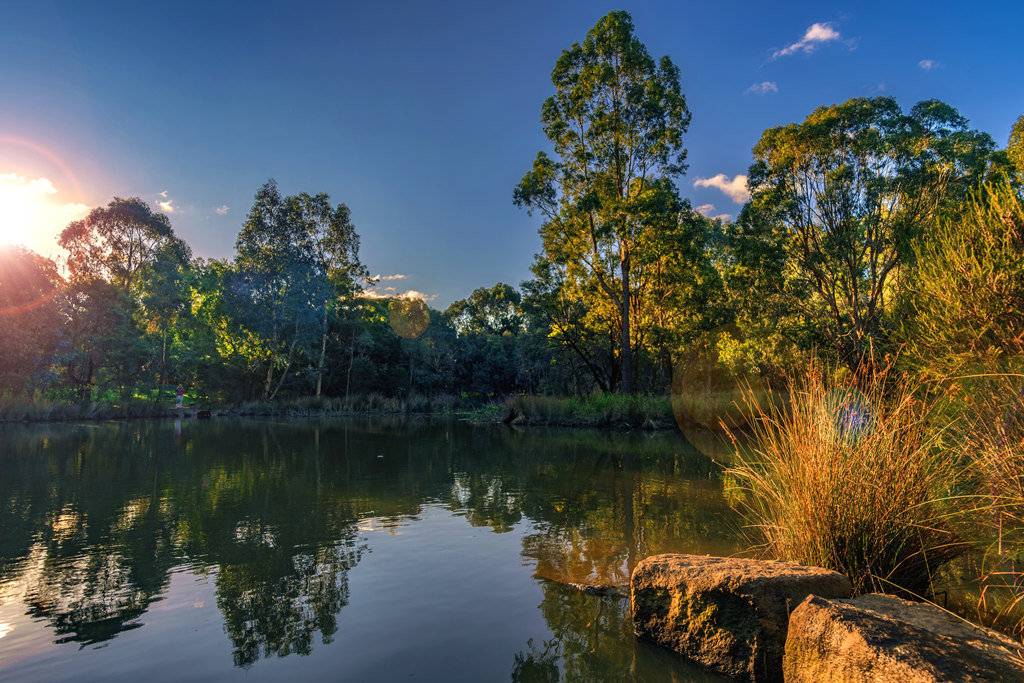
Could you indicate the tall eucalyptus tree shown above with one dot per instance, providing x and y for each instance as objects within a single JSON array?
[{"x": 616, "y": 123}]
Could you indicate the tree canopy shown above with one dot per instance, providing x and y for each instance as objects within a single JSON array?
[
  {"x": 840, "y": 199},
  {"x": 114, "y": 242}
]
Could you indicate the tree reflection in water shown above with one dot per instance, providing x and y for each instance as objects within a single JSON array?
[
  {"x": 593, "y": 641},
  {"x": 95, "y": 521}
]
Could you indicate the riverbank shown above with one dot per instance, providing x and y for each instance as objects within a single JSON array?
[
  {"x": 607, "y": 411},
  {"x": 43, "y": 410}
]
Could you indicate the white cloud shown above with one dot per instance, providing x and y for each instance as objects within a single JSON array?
[
  {"x": 42, "y": 186},
  {"x": 814, "y": 36},
  {"x": 166, "y": 207},
  {"x": 413, "y": 294},
  {"x": 763, "y": 88},
  {"x": 736, "y": 188},
  {"x": 929, "y": 64},
  {"x": 705, "y": 209},
  {"x": 163, "y": 194},
  {"x": 222, "y": 209},
  {"x": 387, "y": 278},
  {"x": 390, "y": 293}
]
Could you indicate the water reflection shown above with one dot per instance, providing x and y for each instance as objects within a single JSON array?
[
  {"x": 96, "y": 519},
  {"x": 593, "y": 641}
]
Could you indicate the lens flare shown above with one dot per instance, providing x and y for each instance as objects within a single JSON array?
[
  {"x": 847, "y": 416},
  {"x": 713, "y": 389},
  {"x": 409, "y": 318}
]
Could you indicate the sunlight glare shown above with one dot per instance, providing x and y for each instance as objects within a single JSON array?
[{"x": 29, "y": 214}]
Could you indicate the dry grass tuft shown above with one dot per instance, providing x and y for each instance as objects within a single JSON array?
[{"x": 852, "y": 480}]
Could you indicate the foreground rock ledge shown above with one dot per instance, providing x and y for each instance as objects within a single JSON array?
[
  {"x": 883, "y": 638},
  {"x": 729, "y": 615}
]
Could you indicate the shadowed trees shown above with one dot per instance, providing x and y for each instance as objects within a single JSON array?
[
  {"x": 125, "y": 280},
  {"x": 298, "y": 258},
  {"x": 30, "y": 323}
]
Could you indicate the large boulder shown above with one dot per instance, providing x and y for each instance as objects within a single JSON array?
[
  {"x": 883, "y": 638},
  {"x": 729, "y": 615}
]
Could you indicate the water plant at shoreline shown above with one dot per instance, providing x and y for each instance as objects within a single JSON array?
[{"x": 853, "y": 480}]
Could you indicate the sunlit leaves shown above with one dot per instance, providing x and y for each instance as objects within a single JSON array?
[{"x": 844, "y": 196}]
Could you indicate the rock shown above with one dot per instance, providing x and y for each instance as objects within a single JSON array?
[
  {"x": 729, "y": 615},
  {"x": 883, "y": 638}
]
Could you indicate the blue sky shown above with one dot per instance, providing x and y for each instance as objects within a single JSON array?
[{"x": 422, "y": 117}]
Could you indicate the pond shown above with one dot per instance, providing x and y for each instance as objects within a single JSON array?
[{"x": 357, "y": 549}]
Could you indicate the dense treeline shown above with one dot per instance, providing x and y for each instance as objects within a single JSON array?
[{"x": 873, "y": 235}]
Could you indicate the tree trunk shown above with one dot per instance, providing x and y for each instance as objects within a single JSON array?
[
  {"x": 270, "y": 379},
  {"x": 351, "y": 359},
  {"x": 284, "y": 373},
  {"x": 323, "y": 354},
  {"x": 273, "y": 358},
  {"x": 163, "y": 366},
  {"x": 626, "y": 350}
]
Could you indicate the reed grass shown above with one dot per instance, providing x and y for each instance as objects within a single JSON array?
[
  {"x": 39, "y": 409},
  {"x": 855, "y": 481},
  {"x": 995, "y": 442}
]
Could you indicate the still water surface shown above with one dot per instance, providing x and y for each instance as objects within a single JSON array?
[{"x": 354, "y": 550}]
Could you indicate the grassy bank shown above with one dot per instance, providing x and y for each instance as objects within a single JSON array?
[
  {"x": 604, "y": 410},
  {"x": 601, "y": 411},
  {"x": 46, "y": 410}
]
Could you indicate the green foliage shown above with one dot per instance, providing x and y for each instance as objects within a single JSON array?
[
  {"x": 103, "y": 345},
  {"x": 600, "y": 410},
  {"x": 297, "y": 258},
  {"x": 966, "y": 297},
  {"x": 30, "y": 325},
  {"x": 491, "y": 311},
  {"x": 837, "y": 204},
  {"x": 114, "y": 242},
  {"x": 1015, "y": 146}
]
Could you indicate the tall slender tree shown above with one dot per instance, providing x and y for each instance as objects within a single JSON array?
[
  {"x": 616, "y": 122},
  {"x": 333, "y": 244}
]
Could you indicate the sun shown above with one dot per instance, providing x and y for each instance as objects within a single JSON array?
[
  {"x": 30, "y": 215},
  {"x": 18, "y": 214}
]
